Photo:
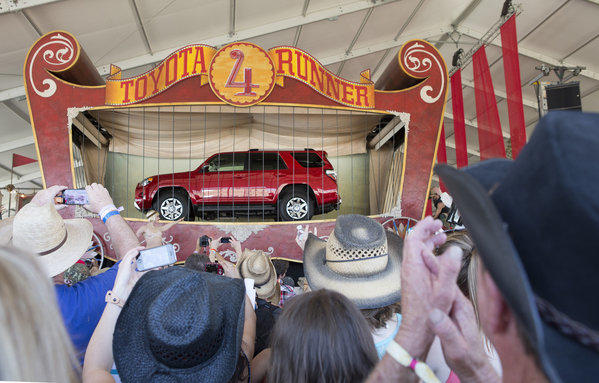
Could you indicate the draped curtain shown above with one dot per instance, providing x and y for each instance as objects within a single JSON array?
[
  {"x": 513, "y": 86},
  {"x": 490, "y": 136}
]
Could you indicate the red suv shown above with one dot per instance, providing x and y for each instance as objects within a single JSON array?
[{"x": 290, "y": 185}]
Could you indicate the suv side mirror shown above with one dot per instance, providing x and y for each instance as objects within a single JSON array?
[{"x": 204, "y": 169}]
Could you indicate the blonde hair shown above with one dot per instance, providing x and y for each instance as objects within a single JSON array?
[{"x": 35, "y": 345}]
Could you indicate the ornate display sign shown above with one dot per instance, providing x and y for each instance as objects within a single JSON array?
[
  {"x": 240, "y": 74},
  {"x": 61, "y": 82}
]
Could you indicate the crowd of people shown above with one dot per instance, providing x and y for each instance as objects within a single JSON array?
[{"x": 507, "y": 298}]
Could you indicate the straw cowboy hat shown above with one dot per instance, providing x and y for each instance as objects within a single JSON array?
[
  {"x": 58, "y": 242},
  {"x": 360, "y": 260},
  {"x": 151, "y": 213},
  {"x": 256, "y": 265}
]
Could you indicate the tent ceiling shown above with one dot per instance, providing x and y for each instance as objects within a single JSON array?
[{"x": 137, "y": 33}]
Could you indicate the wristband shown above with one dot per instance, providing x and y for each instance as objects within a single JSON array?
[
  {"x": 106, "y": 209},
  {"x": 109, "y": 214},
  {"x": 422, "y": 370}
]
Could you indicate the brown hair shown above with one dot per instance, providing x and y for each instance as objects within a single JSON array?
[
  {"x": 35, "y": 345},
  {"x": 281, "y": 266},
  {"x": 377, "y": 318},
  {"x": 321, "y": 337},
  {"x": 197, "y": 262}
]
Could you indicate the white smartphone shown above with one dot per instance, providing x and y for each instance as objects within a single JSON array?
[{"x": 156, "y": 257}]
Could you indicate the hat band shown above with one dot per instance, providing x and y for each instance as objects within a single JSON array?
[
  {"x": 66, "y": 234},
  {"x": 567, "y": 326},
  {"x": 356, "y": 259},
  {"x": 261, "y": 284}
]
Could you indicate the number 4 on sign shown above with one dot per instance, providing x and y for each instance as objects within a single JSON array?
[{"x": 247, "y": 78}]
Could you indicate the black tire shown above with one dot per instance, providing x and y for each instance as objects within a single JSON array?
[
  {"x": 301, "y": 207},
  {"x": 180, "y": 203}
]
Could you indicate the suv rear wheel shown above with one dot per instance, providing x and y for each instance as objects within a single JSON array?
[
  {"x": 296, "y": 206},
  {"x": 174, "y": 205}
]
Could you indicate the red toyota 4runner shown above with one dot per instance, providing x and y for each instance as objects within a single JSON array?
[{"x": 290, "y": 185}]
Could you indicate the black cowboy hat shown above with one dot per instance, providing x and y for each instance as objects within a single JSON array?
[
  {"x": 180, "y": 325},
  {"x": 534, "y": 222}
]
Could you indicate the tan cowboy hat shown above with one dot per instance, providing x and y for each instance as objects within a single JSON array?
[
  {"x": 360, "y": 260},
  {"x": 256, "y": 265},
  {"x": 58, "y": 242},
  {"x": 151, "y": 213}
]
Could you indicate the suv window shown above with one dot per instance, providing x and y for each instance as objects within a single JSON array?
[
  {"x": 227, "y": 162},
  {"x": 268, "y": 159},
  {"x": 308, "y": 159}
]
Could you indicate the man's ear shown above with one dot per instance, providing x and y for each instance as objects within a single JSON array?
[{"x": 498, "y": 315}]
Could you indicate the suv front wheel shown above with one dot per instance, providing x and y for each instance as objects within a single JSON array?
[
  {"x": 296, "y": 206},
  {"x": 174, "y": 205}
]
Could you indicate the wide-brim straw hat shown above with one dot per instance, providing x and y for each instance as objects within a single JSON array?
[
  {"x": 58, "y": 242},
  {"x": 361, "y": 260},
  {"x": 180, "y": 325},
  {"x": 256, "y": 265},
  {"x": 151, "y": 213}
]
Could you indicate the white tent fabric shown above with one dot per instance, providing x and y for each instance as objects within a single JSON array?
[{"x": 200, "y": 131}]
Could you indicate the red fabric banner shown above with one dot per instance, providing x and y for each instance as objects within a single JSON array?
[
  {"x": 459, "y": 124},
  {"x": 19, "y": 160},
  {"x": 490, "y": 137},
  {"x": 513, "y": 87},
  {"x": 442, "y": 152}
]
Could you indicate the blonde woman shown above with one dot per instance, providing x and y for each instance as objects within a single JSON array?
[{"x": 35, "y": 345}]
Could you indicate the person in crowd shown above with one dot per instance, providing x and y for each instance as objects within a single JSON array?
[
  {"x": 197, "y": 260},
  {"x": 35, "y": 345},
  {"x": 174, "y": 324},
  {"x": 442, "y": 203},
  {"x": 320, "y": 337},
  {"x": 362, "y": 260},
  {"x": 542, "y": 330},
  {"x": 287, "y": 291},
  {"x": 152, "y": 231},
  {"x": 257, "y": 266},
  {"x": 60, "y": 243}
]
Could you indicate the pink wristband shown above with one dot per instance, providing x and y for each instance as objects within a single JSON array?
[{"x": 413, "y": 363}]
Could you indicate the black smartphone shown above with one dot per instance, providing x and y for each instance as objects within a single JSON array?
[
  {"x": 225, "y": 240},
  {"x": 74, "y": 197},
  {"x": 156, "y": 257},
  {"x": 204, "y": 241}
]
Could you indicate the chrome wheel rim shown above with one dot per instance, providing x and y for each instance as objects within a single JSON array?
[
  {"x": 171, "y": 209},
  {"x": 297, "y": 208}
]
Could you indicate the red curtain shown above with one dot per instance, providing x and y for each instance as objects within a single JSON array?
[
  {"x": 513, "y": 87},
  {"x": 490, "y": 138},
  {"x": 442, "y": 152},
  {"x": 459, "y": 125}
]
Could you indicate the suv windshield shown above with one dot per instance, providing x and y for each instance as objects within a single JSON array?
[{"x": 308, "y": 159}]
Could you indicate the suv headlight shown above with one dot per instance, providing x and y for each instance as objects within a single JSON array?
[{"x": 146, "y": 181}]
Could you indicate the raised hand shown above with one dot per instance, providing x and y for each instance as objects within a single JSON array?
[
  {"x": 127, "y": 276},
  {"x": 229, "y": 268},
  {"x": 98, "y": 198},
  {"x": 462, "y": 341},
  {"x": 45, "y": 196}
]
